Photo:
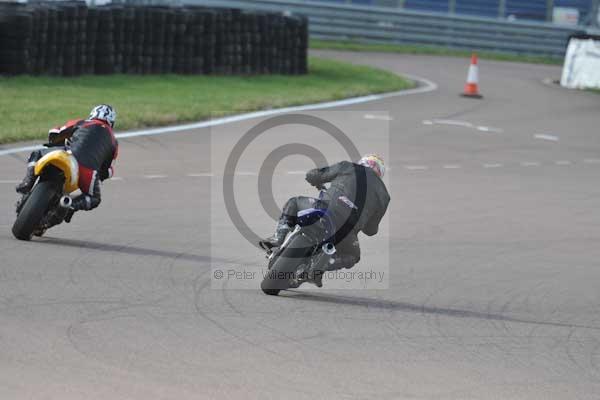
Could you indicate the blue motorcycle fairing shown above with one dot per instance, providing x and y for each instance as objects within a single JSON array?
[{"x": 311, "y": 216}]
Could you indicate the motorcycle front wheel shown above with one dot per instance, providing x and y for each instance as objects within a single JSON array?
[{"x": 285, "y": 266}]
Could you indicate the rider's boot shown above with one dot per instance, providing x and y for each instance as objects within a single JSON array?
[
  {"x": 25, "y": 186},
  {"x": 339, "y": 261},
  {"x": 317, "y": 277},
  {"x": 82, "y": 202},
  {"x": 278, "y": 238},
  {"x": 69, "y": 215},
  {"x": 342, "y": 261}
]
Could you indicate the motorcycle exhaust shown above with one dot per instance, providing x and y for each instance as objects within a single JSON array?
[
  {"x": 329, "y": 249},
  {"x": 65, "y": 202}
]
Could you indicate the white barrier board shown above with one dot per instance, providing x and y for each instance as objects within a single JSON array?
[{"x": 581, "y": 69}]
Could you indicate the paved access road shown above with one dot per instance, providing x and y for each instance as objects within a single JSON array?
[{"x": 490, "y": 251}]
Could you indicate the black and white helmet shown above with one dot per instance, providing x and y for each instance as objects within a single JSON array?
[{"x": 104, "y": 112}]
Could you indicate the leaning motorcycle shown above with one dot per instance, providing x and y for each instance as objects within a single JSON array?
[
  {"x": 306, "y": 251},
  {"x": 48, "y": 202}
]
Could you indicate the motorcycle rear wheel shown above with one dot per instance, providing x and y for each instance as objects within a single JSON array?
[{"x": 34, "y": 209}]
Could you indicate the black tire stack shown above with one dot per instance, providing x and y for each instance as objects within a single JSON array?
[
  {"x": 51, "y": 44},
  {"x": 16, "y": 31},
  {"x": 136, "y": 60},
  {"x": 39, "y": 40},
  {"x": 67, "y": 38},
  {"x": 105, "y": 43},
  {"x": 297, "y": 45},
  {"x": 207, "y": 49},
  {"x": 90, "y": 41},
  {"x": 118, "y": 20},
  {"x": 72, "y": 41},
  {"x": 129, "y": 40}
]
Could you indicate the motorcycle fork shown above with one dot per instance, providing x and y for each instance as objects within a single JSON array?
[{"x": 271, "y": 253}]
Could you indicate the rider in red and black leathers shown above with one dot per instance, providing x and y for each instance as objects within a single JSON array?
[{"x": 93, "y": 144}]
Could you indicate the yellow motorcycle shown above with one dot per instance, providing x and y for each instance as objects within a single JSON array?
[{"x": 48, "y": 202}]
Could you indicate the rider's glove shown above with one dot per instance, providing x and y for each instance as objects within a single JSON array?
[
  {"x": 313, "y": 177},
  {"x": 69, "y": 215}
]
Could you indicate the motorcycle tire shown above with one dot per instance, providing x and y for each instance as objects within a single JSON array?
[
  {"x": 34, "y": 209},
  {"x": 285, "y": 265}
]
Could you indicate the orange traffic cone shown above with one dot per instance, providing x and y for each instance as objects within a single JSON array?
[{"x": 472, "y": 85}]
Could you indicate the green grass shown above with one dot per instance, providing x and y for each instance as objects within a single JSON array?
[
  {"x": 430, "y": 50},
  {"x": 29, "y": 106}
]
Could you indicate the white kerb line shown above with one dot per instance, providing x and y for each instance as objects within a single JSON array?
[{"x": 550, "y": 138}]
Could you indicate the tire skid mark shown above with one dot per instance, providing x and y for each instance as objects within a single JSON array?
[
  {"x": 198, "y": 288},
  {"x": 426, "y": 310},
  {"x": 569, "y": 351},
  {"x": 103, "y": 315},
  {"x": 178, "y": 256},
  {"x": 594, "y": 357}
]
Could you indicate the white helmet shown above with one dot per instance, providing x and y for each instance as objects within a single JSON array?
[{"x": 104, "y": 112}]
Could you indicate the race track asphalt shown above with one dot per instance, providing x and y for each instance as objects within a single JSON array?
[{"x": 489, "y": 258}]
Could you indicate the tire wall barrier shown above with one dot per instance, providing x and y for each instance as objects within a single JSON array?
[{"x": 70, "y": 38}]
